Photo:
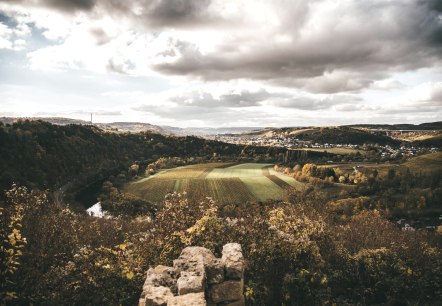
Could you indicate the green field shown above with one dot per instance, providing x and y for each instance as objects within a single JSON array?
[{"x": 224, "y": 182}]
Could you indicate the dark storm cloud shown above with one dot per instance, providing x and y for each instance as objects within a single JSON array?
[
  {"x": 63, "y": 5},
  {"x": 204, "y": 99},
  {"x": 68, "y": 5},
  {"x": 153, "y": 12},
  {"x": 176, "y": 12},
  {"x": 433, "y": 21}
]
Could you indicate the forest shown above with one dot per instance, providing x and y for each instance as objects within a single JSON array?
[{"x": 335, "y": 242}]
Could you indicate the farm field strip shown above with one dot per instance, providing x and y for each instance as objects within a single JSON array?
[
  {"x": 242, "y": 170},
  {"x": 281, "y": 183},
  {"x": 190, "y": 171},
  {"x": 230, "y": 190},
  {"x": 288, "y": 179},
  {"x": 153, "y": 190},
  {"x": 205, "y": 173},
  {"x": 263, "y": 188}
]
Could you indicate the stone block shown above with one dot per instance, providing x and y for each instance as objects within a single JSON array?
[
  {"x": 191, "y": 299},
  {"x": 215, "y": 271},
  {"x": 194, "y": 264},
  {"x": 161, "y": 276},
  {"x": 227, "y": 291},
  {"x": 240, "y": 302},
  {"x": 157, "y": 296},
  {"x": 233, "y": 261},
  {"x": 191, "y": 282}
]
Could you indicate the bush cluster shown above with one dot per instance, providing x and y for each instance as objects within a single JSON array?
[{"x": 296, "y": 253}]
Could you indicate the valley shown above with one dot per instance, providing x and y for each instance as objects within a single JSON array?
[
  {"x": 310, "y": 205},
  {"x": 223, "y": 182}
]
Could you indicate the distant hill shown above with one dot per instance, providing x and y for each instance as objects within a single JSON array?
[
  {"x": 414, "y": 127},
  {"x": 435, "y": 141},
  {"x": 136, "y": 127},
  {"x": 114, "y": 126},
  {"x": 331, "y": 135}
]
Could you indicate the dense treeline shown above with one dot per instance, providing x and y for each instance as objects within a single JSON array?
[{"x": 40, "y": 155}]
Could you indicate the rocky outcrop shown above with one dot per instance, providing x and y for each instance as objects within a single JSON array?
[{"x": 197, "y": 278}]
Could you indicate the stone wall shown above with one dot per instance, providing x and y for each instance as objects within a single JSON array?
[{"x": 197, "y": 278}]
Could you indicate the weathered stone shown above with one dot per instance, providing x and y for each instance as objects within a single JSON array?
[
  {"x": 233, "y": 261},
  {"x": 240, "y": 302},
  {"x": 226, "y": 291},
  {"x": 215, "y": 271},
  {"x": 161, "y": 276},
  {"x": 193, "y": 259},
  {"x": 200, "y": 273},
  {"x": 191, "y": 282},
  {"x": 157, "y": 296},
  {"x": 193, "y": 251},
  {"x": 194, "y": 264},
  {"x": 191, "y": 299}
]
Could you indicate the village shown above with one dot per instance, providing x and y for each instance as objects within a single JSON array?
[{"x": 384, "y": 152}]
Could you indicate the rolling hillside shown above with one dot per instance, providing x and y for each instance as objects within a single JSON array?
[{"x": 331, "y": 135}]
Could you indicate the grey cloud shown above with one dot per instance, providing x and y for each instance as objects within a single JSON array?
[
  {"x": 348, "y": 54},
  {"x": 213, "y": 116},
  {"x": 99, "y": 113},
  {"x": 311, "y": 103},
  {"x": 435, "y": 98},
  {"x": 204, "y": 99},
  {"x": 100, "y": 36},
  {"x": 353, "y": 108},
  {"x": 176, "y": 12},
  {"x": 346, "y": 51},
  {"x": 433, "y": 21},
  {"x": 80, "y": 112},
  {"x": 68, "y": 5},
  {"x": 161, "y": 13},
  {"x": 247, "y": 98},
  {"x": 62, "y": 5},
  {"x": 411, "y": 109}
]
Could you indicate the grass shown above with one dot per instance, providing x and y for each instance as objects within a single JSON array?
[
  {"x": 241, "y": 170},
  {"x": 288, "y": 179},
  {"x": 225, "y": 183},
  {"x": 263, "y": 188},
  {"x": 152, "y": 190}
]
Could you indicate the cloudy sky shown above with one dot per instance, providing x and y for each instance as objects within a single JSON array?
[{"x": 223, "y": 62}]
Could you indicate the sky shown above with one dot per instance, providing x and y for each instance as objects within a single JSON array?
[{"x": 221, "y": 63}]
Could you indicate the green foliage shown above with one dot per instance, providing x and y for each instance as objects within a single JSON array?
[
  {"x": 296, "y": 253},
  {"x": 124, "y": 205},
  {"x": 12, "y": 243}
]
